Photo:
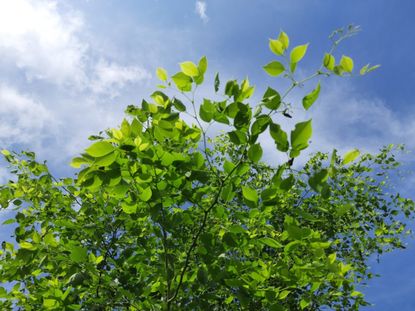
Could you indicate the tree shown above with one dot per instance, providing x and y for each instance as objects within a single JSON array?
[{"x": 161, "y": 216}]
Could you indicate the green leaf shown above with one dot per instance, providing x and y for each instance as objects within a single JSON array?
[
  {"x": 276, "y": 47},
  {"x": 366, "y": 69},
  {"x": 283, "y": 294},
  {"x": 50, "y": 303},
  {"x": 284, "y": 39},
  {"x": 274, "y": 68},
  {"x": 129, "y": 208},
  {"x": 236, "y": 229},
  {"x": 237, "y": 137},
  {"x": 5, "y": 152},
  {"x": 270, "y": 242},
  {"x": 346, "y": 63},
  {"x": 318, "y": 180},
  {"x": 227, "y": 193},
  {"x": 310, "y": 98},
  {"x": 279, "y": 136},
  {"x": 298, "y": 53},
  {"x": 78, "y": 253},
  {"x": 260, "y": 124},
  {"x": 372, "y": 68},
  {"x": 271, "y": 99},
  {"x": 161, "y": 74},
  {"x": 329, "y": 61},
  {"x": 27, "y": 245},
  {"x": 146, "y": 194},
  {"x": 189, "y": 69},
  {"x": 178, "y": 104},
  {"x": 217, "y": 82},
  {"x": 106, "y": 160},
  {"x": 250, "y": 194},
  {"x": 100, "y": 148},
  {"x": 207, "y": 110},
  {"x": 202, "y": 65},
  {"x": 304, "y": 303},
  {"x": 9, "y": 221},
  {"x": 300, "y": 135},
  {"x": 255, "y": 153},
  {"x": 350, "y": 156},
  {"x": 183, "y": 82}
]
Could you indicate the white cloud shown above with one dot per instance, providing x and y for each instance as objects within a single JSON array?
[
  {"x": 344, "y": 120},
  {"x": 22, "y": 119},
  {"x": 44, "y": 40},
  {"x": 41, "y": 41},
  {"x": 201, "y": 10},
  {"x": 110, "y": 77},
  {"x": 46, "y": 44}
]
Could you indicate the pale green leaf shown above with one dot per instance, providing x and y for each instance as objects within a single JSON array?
[
  {"x": 284, "y": 39},
  {"x": 274, "y": 68},
  {"x": 346, "y": 63},
  {"x": 298, "y": 53},
  {"x": 100, "y": 149},
  {"x": 329, "y": 61},
  {"x": 189, "y": 69},
  {"x": 350, "y": 156},
  {"x": 162, "y": 74},
  {"x": 276, "y": 47}
]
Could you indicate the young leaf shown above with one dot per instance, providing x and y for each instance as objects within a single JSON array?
[
  {"x": 99, "y": 149},
  {"x": 274, "y": 68},
  {"x": 202, "y": 65},
  {"x": 298, "y": 53},
  {"x": 310, "y": 98},
  {"x": 284, "y": 39},
  {"x": 329, "y": 61},
  {"x": 161, "y": 74},
  {"x": 183, "y": 82},
  {"x": 350, "y": 156},
  {"x": 346, "y": 63},
  {"x": 276, "y": 47},
  {"x": 189, "y": 69}
]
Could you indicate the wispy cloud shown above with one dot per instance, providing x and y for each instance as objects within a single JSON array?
[
  {"x": 110, "y": 77},
  {"x": 41, "y": 41},
  {"x": 64, "y": 78},
  {"x": 200, "y": 9},
  {"x": 22, "y": 119}
]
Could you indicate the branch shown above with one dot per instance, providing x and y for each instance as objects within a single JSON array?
[{"x": 201, "y": 228}]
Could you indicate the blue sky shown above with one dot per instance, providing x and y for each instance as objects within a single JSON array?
[{"x": 69, "y": 68}]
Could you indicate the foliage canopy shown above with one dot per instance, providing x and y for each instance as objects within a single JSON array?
[{"x": 162, "y": 217}]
